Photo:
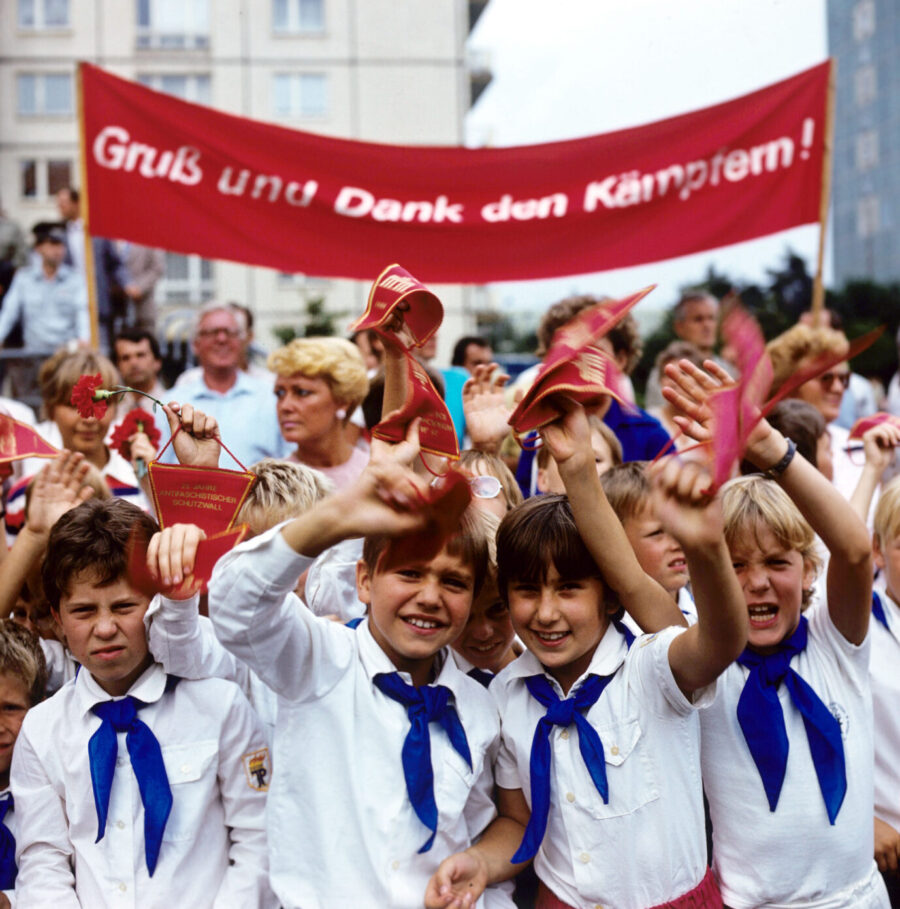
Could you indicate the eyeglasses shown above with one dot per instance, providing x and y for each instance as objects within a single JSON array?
[
  {"x": 215, "y": 332},
  {"x": 485, "y": 487},
  {"x": 827, "y": 379}
]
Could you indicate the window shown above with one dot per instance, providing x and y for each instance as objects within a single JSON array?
[
  {"x": 864, "y": 85},
  {"x": 300, "y": 95},
  {"x": 187, "y": 87},
  {"x": 173, "y": 24},
  {"x": 297, "y": 16},
  {"x": 39, "y": 14},
  {"x": 864, "y": 19},
  {"x": 868, "y": 216},
  {"x": 867, "y": 150},
  {"x": 41, "y": 179},
  {"x": 188, "y": 279},
  {"x": 47, "y": 94}
]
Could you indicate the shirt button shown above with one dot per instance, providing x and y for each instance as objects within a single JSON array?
[
  {"x": 395, "y": 865},
  {"x": 570, "y": 796},
  {"x": 564, "y": 734},
  {"x": 123, "y": 887},
  {"x": 185, "y": 768},
  {"x": 120, "y": 825},
  {"x": 614, "y": 749},
  {"x": 584, "y": 858}
]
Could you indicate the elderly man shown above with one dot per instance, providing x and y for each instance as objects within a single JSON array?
[
  {"x": 695, "y": 319},
  {"x": 243, "y": 405}
]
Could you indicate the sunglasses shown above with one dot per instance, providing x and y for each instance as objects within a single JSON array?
[{"x": 827, "y": 379}]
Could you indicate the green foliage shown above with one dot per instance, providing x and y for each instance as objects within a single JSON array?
[{"x": 318, "y": 322}]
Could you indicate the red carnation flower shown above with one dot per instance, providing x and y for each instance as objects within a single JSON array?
[
  {"x": 136, "y": 420},
  {"x": 88, "y": 399}
]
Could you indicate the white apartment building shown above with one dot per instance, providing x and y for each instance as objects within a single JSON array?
[{"x": 379, "y": 70}]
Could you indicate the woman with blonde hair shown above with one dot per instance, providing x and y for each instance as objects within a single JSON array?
[{"x": 320, "y": 382}]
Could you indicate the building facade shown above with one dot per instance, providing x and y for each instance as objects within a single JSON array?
[
  {"x": 863, "y": 36},
  {"x": 377, "y": 70}
]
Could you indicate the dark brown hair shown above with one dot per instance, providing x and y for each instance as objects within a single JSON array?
[{"x": 93, "y": 537}]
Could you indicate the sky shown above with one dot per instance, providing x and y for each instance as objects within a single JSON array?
[{"x": 580, "y": 67}]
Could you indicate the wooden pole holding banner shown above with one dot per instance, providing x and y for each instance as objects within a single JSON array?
[
  {"x": 818, "y": 296},
  {"x": 90, "y": 275}
]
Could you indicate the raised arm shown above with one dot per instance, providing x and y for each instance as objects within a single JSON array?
[
  {"x": 485, "y": 408},
  {"x": 699, "y": 655},
  {"x": 879, "y": 444},
  {"x": 569, "y": 441}
]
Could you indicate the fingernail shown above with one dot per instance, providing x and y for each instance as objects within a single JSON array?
[{"x": 167, "y": 581}]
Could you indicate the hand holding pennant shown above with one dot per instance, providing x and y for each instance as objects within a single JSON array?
[
  {"x": 575, "y": 367},
  {"x": 406, "y": 314}
]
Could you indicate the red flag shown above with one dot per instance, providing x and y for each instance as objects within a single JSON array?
[{"x": 167, "y": 173}]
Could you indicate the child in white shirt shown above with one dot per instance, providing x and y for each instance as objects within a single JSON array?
[{"x": 133, "y": 787}]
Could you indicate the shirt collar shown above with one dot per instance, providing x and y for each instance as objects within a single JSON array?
[
  {"x": 892, "y": 611},
  {"x": 607, "y": 658},
  {"x": 149, "y": 688}
]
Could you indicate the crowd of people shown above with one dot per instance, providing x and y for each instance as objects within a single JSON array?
[{"x": 603, "y": 685}]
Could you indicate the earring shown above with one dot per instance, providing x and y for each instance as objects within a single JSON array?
[{"x": 340, "y": 413}]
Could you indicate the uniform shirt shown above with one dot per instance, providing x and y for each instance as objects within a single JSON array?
[
  {"x": 793, "y": 856},
  {"x": 53, "y": 310},
  {"x": 342, "y": 830},
  {"x": 885, "y": 677},
  {"x": 214, "y": 846},
  {"x": 647, "y": 845},
  {"x": 330, "y": 587},
  {"x": 246, "y": 418}
]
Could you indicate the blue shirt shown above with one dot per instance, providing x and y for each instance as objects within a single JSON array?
[
  {"x": 53, "y": 310},
  {"x": 246, "y": 415}
]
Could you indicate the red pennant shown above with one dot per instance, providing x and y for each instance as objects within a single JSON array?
[
  {"x": 436, "y": 432},
  {"x": 864, "y": 424},
  {"x": 19, "y": 440},
  {"x": 575, "y": 367},
  {"x": 209, "y": 497},
  {"x": 392, "y": 286},
  {"x": 209, "y": 551},
  {"x": 444, "y": 506}
]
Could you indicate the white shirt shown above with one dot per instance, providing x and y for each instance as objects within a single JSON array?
[
  {"x": 185, "y": 643},
  {"x": 214, "y": 847},
  {"x": 331, "y": 582},
  {"x": 793, "y": 856},
  {"x": 884, "y": 672},
  {"x": 648, "y": 844},
  {"x": 342, "y": 830},
  {"x": 61, "y": 665}
]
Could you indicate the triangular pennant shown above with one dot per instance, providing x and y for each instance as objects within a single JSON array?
[
  {"x": 209, "y": 497},
  {"x": 436, "y": 432},
  {"x": 864, "y": 424},
  {"x": 19, "y": 441},
  {"x": 396, "y": 284}
]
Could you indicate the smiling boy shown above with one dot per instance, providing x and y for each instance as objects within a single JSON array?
[
  {"x": 384, "y": 746},
  {"x": 133, "y": 788}
]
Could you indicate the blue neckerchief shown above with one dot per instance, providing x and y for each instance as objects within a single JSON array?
[
  {"x": 428, "y": 704},
  {"x": 563, "y": 713},
  {"x": 761, "y": 719},
  {"x": 146, "y": 761},
  {"x": 8, "y": 868},
  {"x": 354, "y": 623},
  {"x": 482, "y": 676},
  {"x": 878, "y": 610}
]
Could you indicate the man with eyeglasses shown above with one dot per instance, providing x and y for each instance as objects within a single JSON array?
[{"x": 243, "y": 405}]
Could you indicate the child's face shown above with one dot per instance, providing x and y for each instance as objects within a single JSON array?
[
  {"x": 560, "y": 621},
  {"x": 417, "y": 608},
  {"x": 887, "y": 558},
  {"x": 773, "y": 580},
  {"x": 79, "y": 433},
  {"x": 549, "y": 480},
  {"x": 104, "y": 629},
  {"x": 659, "y": 554},
  {"x": 15, "y": 701},
  {"x": 487, "y": 638}
]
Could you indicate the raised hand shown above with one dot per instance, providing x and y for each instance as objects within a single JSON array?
[
  {"x": 568, "y": 438},
  {"x": 198, "y": 442},
  {"x": 485, "y": 408},
  {"x": 879, "y": 443},
  {"x": 682, "y": 503},
  {"x": 171, "y": 556},
  {"x": 58, "y": 488},
  {"x": 690, "y": 397}
]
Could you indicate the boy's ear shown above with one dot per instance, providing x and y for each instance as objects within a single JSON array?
[
  {"x": 542, "y": 479},
  {"x": 363, "y": 582},
  {"x": 877, "y": 554}
]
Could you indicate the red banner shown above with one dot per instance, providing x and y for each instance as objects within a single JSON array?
[{"x": 171, "y": 174}]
